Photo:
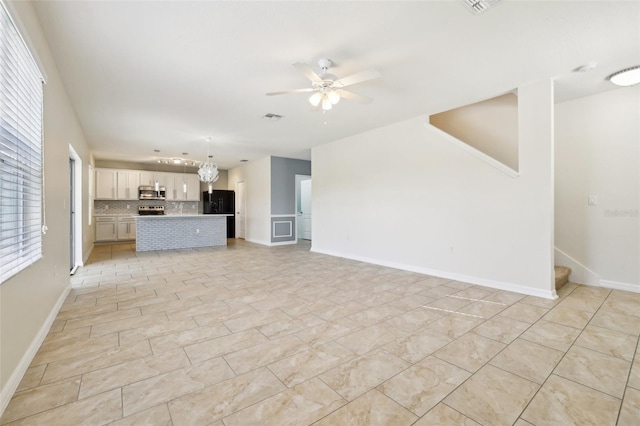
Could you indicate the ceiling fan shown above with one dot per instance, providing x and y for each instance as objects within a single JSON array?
[{"x": 327, "y": 88}]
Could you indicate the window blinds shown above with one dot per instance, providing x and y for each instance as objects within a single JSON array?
[{"x": 21, "y": 104}]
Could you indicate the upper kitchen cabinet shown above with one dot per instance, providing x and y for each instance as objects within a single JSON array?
[
  {"x": 150, "y": 178},
  {"x": 106, "y": 181},
  {"x": 182, "y": 186},
  {"x": 117, "y": 184},
  {"x": 128, "y": 183}
]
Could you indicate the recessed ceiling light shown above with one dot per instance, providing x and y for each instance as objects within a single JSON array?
[
  {"x": 243, "y": 161},
  {"x": 185, "y": 153},
  {"x": 626, "y": 77},
  {"x": 156, "y": 150}
]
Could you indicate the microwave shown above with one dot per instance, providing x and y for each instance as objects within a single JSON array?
[{"x": 150, "y": 193}]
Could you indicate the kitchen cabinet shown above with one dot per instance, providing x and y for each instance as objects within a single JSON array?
[
  {"x": 175, "y": 184},
  {"x": 105, "y": 229},
  {"x": 115, "y": 228},
  {"x": 128, "y": 183},
  {"x": 149, "y": 178},
  {"x": 105, "y": 184},
  {"x": 126, "y": 229},
  {"x": 116, "y": 184}
]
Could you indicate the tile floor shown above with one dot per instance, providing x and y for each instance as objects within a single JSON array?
[{"x": 248, "y": 335}]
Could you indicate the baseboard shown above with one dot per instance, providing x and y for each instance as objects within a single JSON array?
[
  {"x": 86, "y": 256},
  {"x": 14, "y": 380},
  {"x": 261, "y": 242},
  {"x": 283, "y": 243},
  {"x": 616, "y": 285},
  {"x": 547, "y": 294},
  {"x": 579, "y": 273}
]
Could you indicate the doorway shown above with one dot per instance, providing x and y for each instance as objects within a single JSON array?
[
  {"x": 75, "y": 211},
  {"x": 303, "y": 207},
  {"x": 241, "y": 203}
]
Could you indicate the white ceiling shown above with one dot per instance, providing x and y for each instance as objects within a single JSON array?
[{"x": 145, "y": 75}]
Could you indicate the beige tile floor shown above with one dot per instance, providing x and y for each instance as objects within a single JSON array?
[{"x": 248, "y": 335}]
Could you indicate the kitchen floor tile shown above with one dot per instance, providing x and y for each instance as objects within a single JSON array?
[
  {"x": 564, "y": 402},
  {"x": 420, "y": 387},
  {"x": 598, "y": 371},
  {"x": 371, "y": 409},
  {"x": 243, "y": 333},
  {"x": 492, "y": 396}
]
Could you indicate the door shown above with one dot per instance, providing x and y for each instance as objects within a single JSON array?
[
  {"x": 305, "y": 209},
  {"x": 72, "y": 214},
  {"x": 241, "y": 202}
]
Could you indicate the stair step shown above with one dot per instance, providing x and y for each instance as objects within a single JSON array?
[{"x": 562, "y": 276}]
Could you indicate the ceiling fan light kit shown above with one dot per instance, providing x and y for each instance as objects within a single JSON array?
[{"x": 327, "y": 88}]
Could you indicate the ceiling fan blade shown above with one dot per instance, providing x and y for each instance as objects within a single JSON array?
[
  {"x": 308, "y": 72},
  {"x": 347, "y": 94},
  {"x": 286, "y": 92},
  {"x": 356, "y": 78}
]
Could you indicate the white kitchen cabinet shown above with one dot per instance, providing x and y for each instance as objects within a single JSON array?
[
  {"x": 193, "y": 187},
  {"x": 105, "y": 229},
  {"x": 105, "y": 184},
  {"x": 149, "y": 178},
  {"x": 175, "y": 184},
  {"x": 126, "y": 229},
  {"x": 128, "y": 182}
]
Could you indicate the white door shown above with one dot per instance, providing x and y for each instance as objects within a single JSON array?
[
  {"x": 305, "y": 209},
  {"x": 241, "y": 202}
]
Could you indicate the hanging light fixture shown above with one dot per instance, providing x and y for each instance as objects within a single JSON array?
[{"x": 208, "y": 170}]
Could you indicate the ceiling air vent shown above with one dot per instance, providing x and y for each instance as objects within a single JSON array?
[
  {"x": 272, "y": 117},
  {"x": 478, "y": 7}
]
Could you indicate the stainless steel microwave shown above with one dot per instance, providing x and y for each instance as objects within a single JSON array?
[{"x": 152, "y": 193}]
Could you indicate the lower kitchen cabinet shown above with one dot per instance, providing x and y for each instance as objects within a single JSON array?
[
  {"x": 114, "y": 228},
  {"x": 105, "y": 229},
  {"x": 126, "y": 229}
]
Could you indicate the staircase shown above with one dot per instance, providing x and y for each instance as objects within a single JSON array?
[{"x": 562, "y": 276}]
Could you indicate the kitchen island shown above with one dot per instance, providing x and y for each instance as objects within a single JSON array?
[{"x": 170, "y": 232}]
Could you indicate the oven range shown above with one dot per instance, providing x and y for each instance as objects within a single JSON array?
[{"x": 150, "y": 210}]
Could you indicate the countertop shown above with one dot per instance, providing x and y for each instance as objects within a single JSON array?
[{"x": 173, "y": 216}]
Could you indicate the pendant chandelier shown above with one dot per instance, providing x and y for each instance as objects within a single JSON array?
[{"x": 208, "y": 170}]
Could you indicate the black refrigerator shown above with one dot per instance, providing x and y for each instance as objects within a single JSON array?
[{"x": 221, "y": 202}]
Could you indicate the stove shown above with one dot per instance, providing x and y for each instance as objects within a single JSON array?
[{"x": 150, "y": 210}]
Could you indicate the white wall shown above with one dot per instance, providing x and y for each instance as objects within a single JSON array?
[
  {"x": 30, "y": 300},
  {"x": 404, "y": 196},
  {"x": 598, "y": 153},
  {"x": 257, "y": 178}
]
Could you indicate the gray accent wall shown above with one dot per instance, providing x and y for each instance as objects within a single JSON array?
[{"x": 283, "y": 183}]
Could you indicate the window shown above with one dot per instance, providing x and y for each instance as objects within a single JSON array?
[{"x": 21, "y": 106}]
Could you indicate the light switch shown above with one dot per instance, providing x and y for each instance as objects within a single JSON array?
[{"x": 592, "y": 200}]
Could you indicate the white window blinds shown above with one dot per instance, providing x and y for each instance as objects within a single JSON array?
[{"x": 20, "y": 152}]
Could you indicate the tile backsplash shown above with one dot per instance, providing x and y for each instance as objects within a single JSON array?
[{"x": 131, "y": 206}]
